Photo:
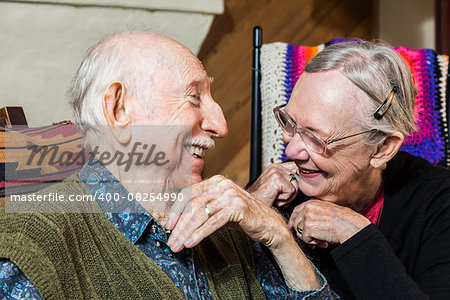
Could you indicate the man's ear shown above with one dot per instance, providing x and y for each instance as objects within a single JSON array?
[
  {"x": 387, "y": 150},
  {"x": 115, "y": 111}
]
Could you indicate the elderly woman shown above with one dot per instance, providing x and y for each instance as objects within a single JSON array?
[{"x": 377, "y": 220}]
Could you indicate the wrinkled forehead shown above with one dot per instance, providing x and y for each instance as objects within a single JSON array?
[
  {"x": 178, "y": 67},
  {"x": 160, "y": 60},
  {"x": 185, "y": 66},
  {"x": 325, "y": 99}
]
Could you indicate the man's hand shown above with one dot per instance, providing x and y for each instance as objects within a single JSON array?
[
  {"x": 226, "y": 203},
  {"x": 275, "y": 186},
  {"x": 323, "y": 222},
  {"x": 218, "y": 201}
]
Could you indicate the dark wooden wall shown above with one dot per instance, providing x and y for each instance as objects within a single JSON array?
[
  {"x": 442, "y": 15},
  {"x": 226, "y": 54}
]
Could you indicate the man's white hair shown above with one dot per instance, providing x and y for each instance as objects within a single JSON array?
[{"x": 103, "y": 64}]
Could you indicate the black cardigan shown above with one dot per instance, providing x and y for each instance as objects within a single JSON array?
[{"x": 408, "y": 255}]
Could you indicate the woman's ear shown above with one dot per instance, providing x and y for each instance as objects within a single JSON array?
[
  {"x": 115, "y": 111},
  {"x": 387, "y": 150}
]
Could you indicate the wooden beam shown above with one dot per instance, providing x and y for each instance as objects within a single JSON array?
[{"x": 442, "y": 20}]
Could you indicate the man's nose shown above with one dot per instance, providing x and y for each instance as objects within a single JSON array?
[
  {"x": 295, "y": 147},
  {"x": 214, "y": 120}
]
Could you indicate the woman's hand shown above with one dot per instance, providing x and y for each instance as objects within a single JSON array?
[
  {"x": 322, "y": 222},
  {"x": 275, "y": 186}
]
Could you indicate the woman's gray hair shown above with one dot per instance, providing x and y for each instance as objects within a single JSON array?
[{"x": 375, "y": 69}]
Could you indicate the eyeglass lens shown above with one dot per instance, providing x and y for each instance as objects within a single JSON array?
[{"x": 308, "y": 138}]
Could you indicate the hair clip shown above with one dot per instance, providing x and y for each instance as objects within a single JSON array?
[{"x": 384, "y": 107}]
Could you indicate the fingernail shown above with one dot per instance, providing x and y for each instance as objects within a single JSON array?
[
  {"x": 170, "y": 241},
  {"x": 169, "y": 224},
  {"x": 176, "y": 246}
]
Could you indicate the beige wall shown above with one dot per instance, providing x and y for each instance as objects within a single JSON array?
[
  {"x": 42, "y": 44},
  {"x": 407, "y": 23}
]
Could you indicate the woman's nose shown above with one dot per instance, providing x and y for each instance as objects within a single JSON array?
[{"x": 295, "y": 147}]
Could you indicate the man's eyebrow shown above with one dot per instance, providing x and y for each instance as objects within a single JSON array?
[
  {"x": 195, "y": 83},
  {"x": 191, "y": 85}
]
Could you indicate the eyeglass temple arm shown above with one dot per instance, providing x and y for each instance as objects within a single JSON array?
[{"x": 346, "y": 137}]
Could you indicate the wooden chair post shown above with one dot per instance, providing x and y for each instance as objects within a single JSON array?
[{"x": 12, "y": 115}]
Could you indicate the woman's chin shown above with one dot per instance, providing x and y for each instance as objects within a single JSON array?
[
  {"x": 309, "y": 190},
  {"x": 314, "y": 192}
]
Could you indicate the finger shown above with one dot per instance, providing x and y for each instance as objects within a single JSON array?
[
  {"x": 303, "y": 223},
  {"x": 290, "y": 166},
  {"x": 298, "y": 211},
  {"x": 180, "y": 206},
  {"x": 216, "y": 221},
  {"x": 184, "y": 225},
  {"x": 323, "y": 244},
  {"x": 275, "y": 184},
  {"x": 307, "y": 235},
  {"x": 288, "y": 189},
  {"x": 294, "y": 180},
  {"x": 176, "y": 243},
  {"x": 173, "y": 220},
  {"x": 201, "y": 191},
  {"x": 183, "y": 218},
  {"x": 280, "y": 203},
  {"x": 202, "y": 195},
  {"x": 318, "y": 243},
  {"x": 299, "y": 227},
  {"x": 189, "y": 225},
  {"x": 205, "y": 185}
]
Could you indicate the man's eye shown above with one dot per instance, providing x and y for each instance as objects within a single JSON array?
[{"x": 195, "y": 98}]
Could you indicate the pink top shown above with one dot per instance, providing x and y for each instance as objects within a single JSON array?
[{"x": 374, "y": 209}]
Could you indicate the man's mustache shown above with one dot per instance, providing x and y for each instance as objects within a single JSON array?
[{"x": 201, "y": 141}]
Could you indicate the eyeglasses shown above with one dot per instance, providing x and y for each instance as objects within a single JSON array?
[{"x": 311, "y": 140}]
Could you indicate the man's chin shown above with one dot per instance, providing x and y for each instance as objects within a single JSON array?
[{"x": 197, "y": 167}]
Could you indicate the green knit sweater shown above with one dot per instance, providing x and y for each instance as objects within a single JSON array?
[{"x": 83, "y": 256}]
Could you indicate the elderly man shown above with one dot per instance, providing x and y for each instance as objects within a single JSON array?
[{"x": 165, "y": 250}]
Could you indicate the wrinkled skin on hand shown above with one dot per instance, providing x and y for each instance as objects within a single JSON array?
[
  {"x": 273, "y": 186},
  {"x": 228, "y": 204},
  {"x": 322, "y": 222},
  {"x": 325, "y": 223}
]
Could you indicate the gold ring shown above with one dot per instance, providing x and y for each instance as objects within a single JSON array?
[
  {"x": 299, "y": 230},
  {"x": 292, "y": 177},
  {"x": 207, "y": 211}
]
